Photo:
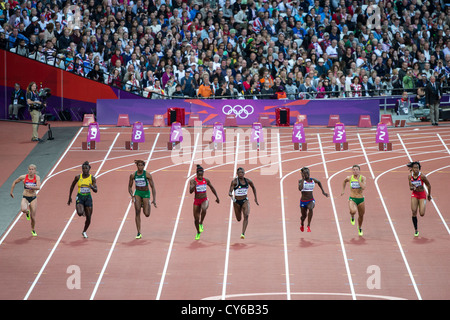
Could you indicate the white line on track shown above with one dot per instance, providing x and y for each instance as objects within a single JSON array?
[
  {"x": 172, "y": 240},
  {"x": 230, "y": 221},
  {"x": 399, "y": 245},
  {"x": 49, "y": 175},
  {"x": 119, "y": 230},
  {"x": 64, "y": 230},
  {"x": 425, "y": 187}
]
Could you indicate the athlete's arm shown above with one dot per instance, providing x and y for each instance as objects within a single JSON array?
[
  {"x": 300, "y": 185},
  {"x": 130, "y": 185},
  {"x": 428, "y": 184},
  {"x": 344, "y": 184},
  {"x": 212, "y": 189},
  {"x": 320, "y": 186},
  {"x": 74, "y": 182},
  {"x": 233, "y": 184},
  {"x": 21, "y": 178},
  {"x": 152, "y": 185},
  {"x": 362, "y": 184},
  {"x": 250, "y": 182},
  {"x": 192, "y": 185},
  {"x": 93, "y": 186}
]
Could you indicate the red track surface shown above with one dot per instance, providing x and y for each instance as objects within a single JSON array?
[{"x": 275, "y": 261}]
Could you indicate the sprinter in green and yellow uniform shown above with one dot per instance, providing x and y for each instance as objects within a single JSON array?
[
  {"x": 356, "y": 199},
  {"x": 141, "y": 196},
  {"x": 86, "y": 182}
]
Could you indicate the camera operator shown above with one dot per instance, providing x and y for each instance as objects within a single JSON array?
[{"x": 35, "y": 107}]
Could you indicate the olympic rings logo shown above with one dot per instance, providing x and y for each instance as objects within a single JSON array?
[{"x": 238, "y": 110}]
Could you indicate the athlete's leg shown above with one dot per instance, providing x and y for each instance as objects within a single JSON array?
[
  {"x": 88, "y": 214},
  {"x": 33, "y": 208},
  {"x": 352, "y": 209},
  {"x": 414, "y": 207},
  {"x": 246, "y": 212},
  {"x": 137, "y": 209}
]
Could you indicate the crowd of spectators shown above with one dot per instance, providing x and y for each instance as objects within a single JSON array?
[{"x": 237, "y": 48}]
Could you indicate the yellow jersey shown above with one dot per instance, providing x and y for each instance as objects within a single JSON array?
[{"x": 84, "y": 185}]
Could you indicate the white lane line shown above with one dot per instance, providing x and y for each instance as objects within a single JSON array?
[
  {"x": 230, "y": 221},
  {"x": 100, "y": 277},
  {"x": 399, "y": 245},
  {"x": 49, "y": 175},
  {"x": 172, "y": 240},
  {"x": 63, "y": 232}
]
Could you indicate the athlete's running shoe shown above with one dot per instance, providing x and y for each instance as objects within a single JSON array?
[
  {"x": 242, "y": 236},
  {"x": 360, "y": 232},
  {"x": 197, "y": 236},
  {"x": 352, "y": 220},
  {"x": 200, "y": 228},
  {"x": 139, "y": 235},
  {"x": 28, "y": 214},
  {"x": 308, "y": 229},
  {"x": 416, "y": 234},
  {"x": 33, "y": 233},
  {"x": 84, "y": 235},
  {"x": 302, "y": 228}
]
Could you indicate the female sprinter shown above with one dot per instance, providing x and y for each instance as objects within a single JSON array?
[
  {"x": 31, "y": 183},
  {"x": 86, "y": 182},
  {"x": 141, "y": 196},
  {"x": 240, "y": 201},
  {"x": 307, "y": 203},
  {"x": 419, "y": 195},
  {"x": 201, "y": 202},
  {"x": 356, "y": 199}
]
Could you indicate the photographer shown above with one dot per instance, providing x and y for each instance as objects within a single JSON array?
[{"x": 35, "y": 107}]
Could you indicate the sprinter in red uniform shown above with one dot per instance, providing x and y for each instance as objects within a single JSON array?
[
  {"x": 31, "y": 184},
  {"x": 416, "y": 181},
  {"x": 201, "y": 202}
]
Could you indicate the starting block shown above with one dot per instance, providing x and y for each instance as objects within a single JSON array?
[
  {"x": 303, "y": 119},
  {"x": 364, "y": 121},
  {"x": 88, "y": 145},
  {"x": 400, "y": 123},
  {"x": 87, "y": 119},
  {"x": 137, "y": 136},
  {"x": 230, "y": 120},
  {"x": 257, "y": 136},
  {"x": 194, "y": 118},
  {"x": 382, "y": 138},
  {"x": 387, "y": 119},
  {"x": 123, "y": 120},
  {"x": 176, "y": 136},
  {"x": 93, "y": 136},
  {"x": 298, "y": 137},
  {"x": 340, "y": 137},
  {"x": 218, "y": 137},
  {"x": 264, "y": 120},
  {"x": 385, "y": 146},
  {"x": 333, "y": 120},
  {"x": 158, "y": 120}
]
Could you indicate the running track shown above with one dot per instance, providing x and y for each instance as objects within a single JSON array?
[{"x": 275, "y": 261}]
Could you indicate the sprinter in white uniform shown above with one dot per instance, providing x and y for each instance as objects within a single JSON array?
[
  {"x": 307, "y": 203},
  {"x": 241, "y": 205}
]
